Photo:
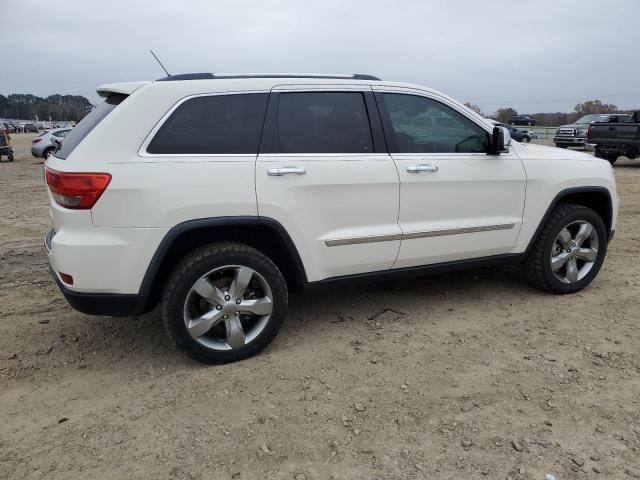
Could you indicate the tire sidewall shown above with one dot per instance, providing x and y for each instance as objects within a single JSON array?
[
  {"x": 594, "y": 219},
  {"x": 183, "y": 280}
]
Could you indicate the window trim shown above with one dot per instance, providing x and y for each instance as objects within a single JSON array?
[
  {"x": 269, "y": 147},
  {"x": 388, "y": 125},
  {"x": 143, "y": 153}
]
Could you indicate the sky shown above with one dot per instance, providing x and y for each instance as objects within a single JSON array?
[{"x": 534, "y": 56}]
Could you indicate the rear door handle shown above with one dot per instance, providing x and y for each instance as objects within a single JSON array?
[
  {"x": 279, "y": 172},
  {"x": 424, "y": 167}
]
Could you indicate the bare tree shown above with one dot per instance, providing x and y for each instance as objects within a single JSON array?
[
  {"x": 595, "y": 106},
  {"x": 474, "y": 107},
  {"x": 503, "y": 115}
]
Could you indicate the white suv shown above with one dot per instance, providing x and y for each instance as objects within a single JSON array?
[{"x": 216, "y": 195}]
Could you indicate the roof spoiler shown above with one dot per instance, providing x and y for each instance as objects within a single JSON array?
[{"x": 126, "y": 88}]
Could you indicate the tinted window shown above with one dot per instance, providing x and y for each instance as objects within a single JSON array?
[
  {"x": 87, "y": 124},
  {"x": 323, "y": 122},
  {"x": 223, "y": 124},
  {"x": 422, "y": 125}
]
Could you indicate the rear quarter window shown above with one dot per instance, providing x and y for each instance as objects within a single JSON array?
[
  {"x": 88, "y": 123},
  {"x": 216, "y": 124}
]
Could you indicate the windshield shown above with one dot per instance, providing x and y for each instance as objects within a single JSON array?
[{"x": 593, "y": 118}]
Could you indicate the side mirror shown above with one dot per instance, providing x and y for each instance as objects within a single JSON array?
[{"x": 500, "y": 140}]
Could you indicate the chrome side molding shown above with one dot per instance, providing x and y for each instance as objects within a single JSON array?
[{"x": 414, "y": 235}]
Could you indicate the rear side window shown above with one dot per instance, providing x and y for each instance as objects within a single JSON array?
[
  {"x": 220, "y": 124},
  {"x": 323, "y": 122},
  {"x": 88, "y": 123}
]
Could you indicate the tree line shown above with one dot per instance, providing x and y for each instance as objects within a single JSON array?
[
  {"x": 554, "y": 119},
  {"x": 25, "y": 106}
]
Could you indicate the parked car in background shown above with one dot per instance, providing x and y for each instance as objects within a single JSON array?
[
  {"x": 10, "y": 128},
  {"x": 29, "y": 128},
  {"x": 517, "y": 134},
  {"x": 613, "y": 140},
  {"x": 43, "y": 145},
  {"x": 215, "y": 204},
  {"x": 575, "y": 134},
  {"x": 522, "y": 120},
  {"x": 6, "y": 150}
]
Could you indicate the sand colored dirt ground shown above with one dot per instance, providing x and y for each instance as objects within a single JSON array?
[{"x": 460, "y": 376}]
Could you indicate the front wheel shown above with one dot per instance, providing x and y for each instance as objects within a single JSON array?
[
  {"x": 224, "y": 302},
  {"x": 609, "y": 158},
  {"x": 569, "y": 251}
]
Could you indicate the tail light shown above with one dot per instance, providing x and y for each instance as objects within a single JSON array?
[
  {"x": 36, "y": 140},
  {"x": 79, "y": 191}
]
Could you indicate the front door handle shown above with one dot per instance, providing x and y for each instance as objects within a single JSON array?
[
  {"x": 424, "y": 167},
  {"x": 279, "y": 172}
]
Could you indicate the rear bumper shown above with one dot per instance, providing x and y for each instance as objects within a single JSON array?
[
  {"x": 82, "y": 254},
  {"x": 107, "y": 304}
]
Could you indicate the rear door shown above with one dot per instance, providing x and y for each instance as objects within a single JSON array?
[
  {"x": 324, "y": 174},
  {"x": 456, "y": 202}
]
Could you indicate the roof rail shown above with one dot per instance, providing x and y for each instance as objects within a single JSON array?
[
  {"x": 187, "y": 76},
  {"x": 211, "y": 76}
]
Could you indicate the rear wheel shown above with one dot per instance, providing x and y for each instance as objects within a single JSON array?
[
  {"x": 224, "y": 302},
  {"x": 525, "y": 139},
  {"x": 47, "y": 153},
  {"x": 11, "y": 157},
  {"x": 569, "y": 251},
  {"x": 609, "y": 158}
]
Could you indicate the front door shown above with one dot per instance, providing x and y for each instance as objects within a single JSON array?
[
  {"x": 456, "y": 202},
  {"x": 324, "y": 174}
]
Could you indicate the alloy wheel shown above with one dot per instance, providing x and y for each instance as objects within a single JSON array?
[
  {"x": 228, "y": 307},
  {"x": 574, "y": 251}
]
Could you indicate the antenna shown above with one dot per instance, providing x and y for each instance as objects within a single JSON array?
[{"x": 158, "y": 60}]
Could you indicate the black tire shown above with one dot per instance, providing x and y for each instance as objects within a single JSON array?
[
  {"x": 561, "y": 146},
  {"x": 193, "y": 267},
  {"x": 537, "y": 265},
  {"x": 609, "y": 158},
  {"x": 525, "y": 139},
  {"x": 11, "y": 157},
  {"x": 47, "y": 152}
]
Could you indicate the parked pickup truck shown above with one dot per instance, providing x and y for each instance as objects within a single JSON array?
[
  {"x": 613, "y": 140},
  {"x": 575, "y": 135}
]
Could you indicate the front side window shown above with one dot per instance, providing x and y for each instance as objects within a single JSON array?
[
  {"x": 323, "y": 122},
  {"x": 220, "y": 124},
  {"x": 422, "y": 125}
]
